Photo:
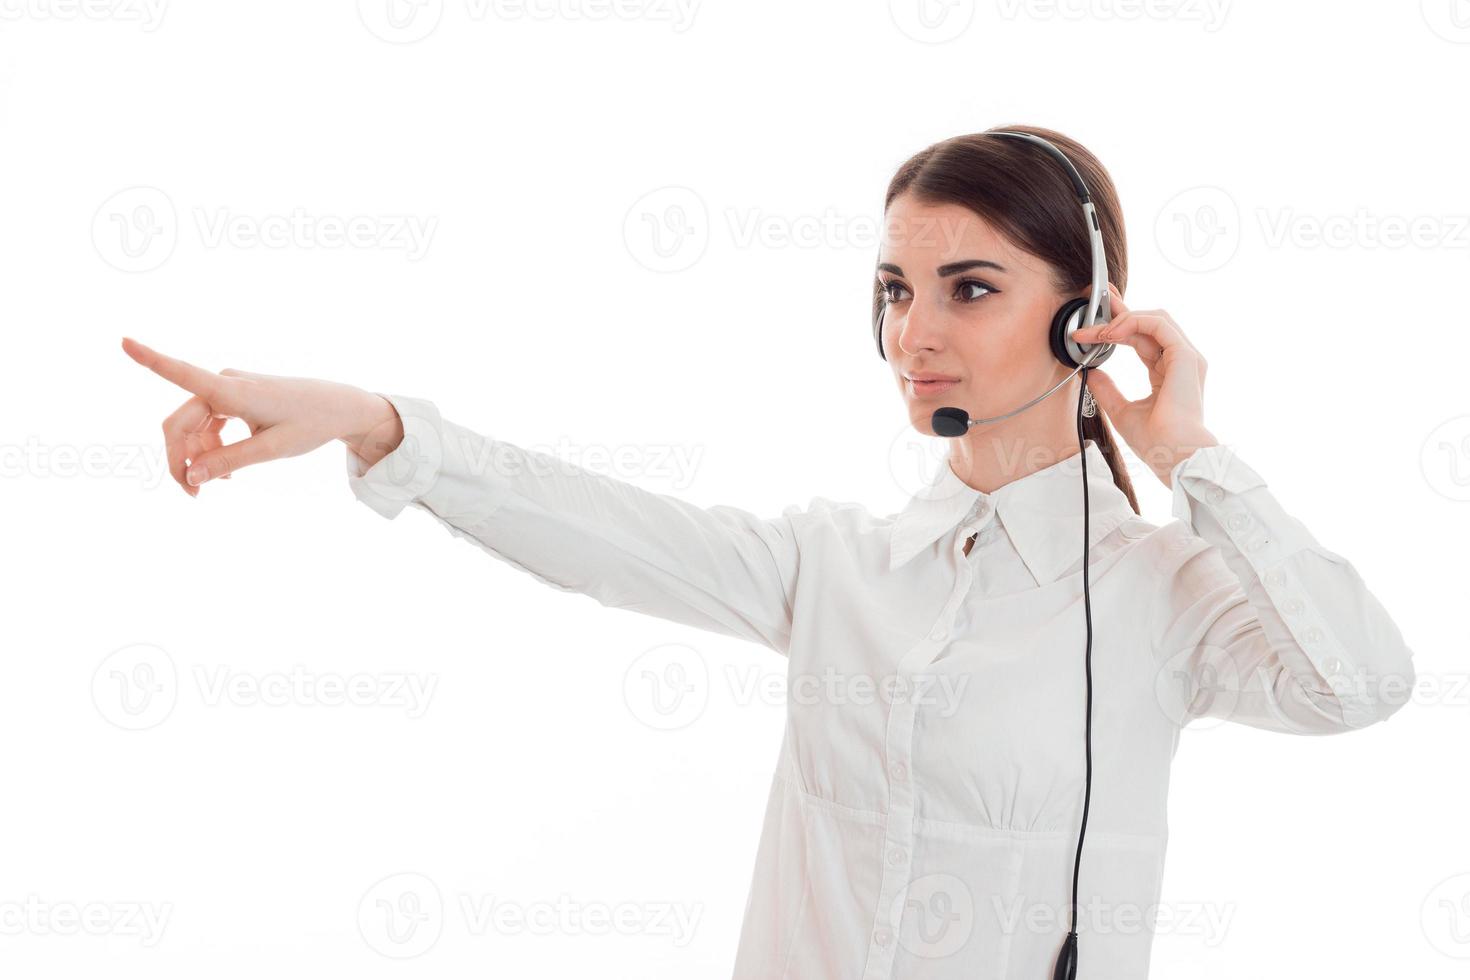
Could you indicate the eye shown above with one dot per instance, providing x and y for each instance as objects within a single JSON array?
[
  {"x": 965, "y": 284},
  {"x": 887, "y": 286}
]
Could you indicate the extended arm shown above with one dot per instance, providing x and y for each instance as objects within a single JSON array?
[{"x": 718, "y": 568}]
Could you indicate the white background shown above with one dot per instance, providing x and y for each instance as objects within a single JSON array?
[{"x": 1267, "y": 154}]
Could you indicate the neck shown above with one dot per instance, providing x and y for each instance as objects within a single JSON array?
[{"x": 992, "y": 455}]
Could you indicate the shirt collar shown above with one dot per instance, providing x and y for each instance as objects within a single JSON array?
[{"x": 1041, "y": 512}]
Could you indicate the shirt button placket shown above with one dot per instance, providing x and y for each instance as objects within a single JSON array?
[
  {"x": 898, "y": 839},
  {"x": 898, "y": 834}
]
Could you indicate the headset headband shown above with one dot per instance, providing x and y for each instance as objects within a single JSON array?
[{"x": 1099, "y": 306}]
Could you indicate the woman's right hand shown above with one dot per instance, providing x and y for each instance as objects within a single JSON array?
[{"x": 286, "y": 416}]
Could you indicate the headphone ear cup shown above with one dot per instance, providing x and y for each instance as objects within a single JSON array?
[{"x": 1062, "y": 324}]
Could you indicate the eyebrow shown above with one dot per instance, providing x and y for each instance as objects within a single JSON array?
[{"x": 951, "y": 269}]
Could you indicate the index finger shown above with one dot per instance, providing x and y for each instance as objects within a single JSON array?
[
  {"x": 182, "y": 373},
  {"x": 1115, "y": 301}
]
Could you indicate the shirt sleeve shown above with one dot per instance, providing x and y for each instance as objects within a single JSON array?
[
  {"x": 719, "y": 568},
  {"x": 1258, "y": 623}
]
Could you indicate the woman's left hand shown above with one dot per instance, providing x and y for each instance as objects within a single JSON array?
[{"x": 1168, "y": 425}]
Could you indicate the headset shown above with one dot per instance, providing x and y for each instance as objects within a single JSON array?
[{"x": 1072, "y": 316}]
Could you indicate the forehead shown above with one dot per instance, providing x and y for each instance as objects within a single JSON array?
[{"x": 926, "y": 235}]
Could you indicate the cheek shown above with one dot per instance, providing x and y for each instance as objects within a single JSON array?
[
  {"x": 1012, "y": 353},
  {"x": 996, "y": 346},
  {"x": 1023, "y": 334}
]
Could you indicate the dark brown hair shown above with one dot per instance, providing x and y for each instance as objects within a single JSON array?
[{"x": 1027, "y": 196}]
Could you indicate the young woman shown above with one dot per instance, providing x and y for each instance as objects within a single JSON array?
[{"x": 924, "y": 815}]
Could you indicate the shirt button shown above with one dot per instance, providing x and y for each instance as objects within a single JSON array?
[
  {"x": 1216, "y": 494},
  {"x": 1237, "y": 521},
  {"x": 938, "y": 634},
  {"x": 1333, "y": 666},
  {"x": 1258, "y": 544},
  {"x": 883, "y": 937},
  {"x": 898, "y": 771},
  {"x": 1292, "y": 605},
  {"x": 1275, "y": 577},
  {"x": 896, "y": 856},
  {"x": 1313, "y": 635}
]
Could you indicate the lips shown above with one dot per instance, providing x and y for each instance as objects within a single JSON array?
[{"x": 930, "y": 384}]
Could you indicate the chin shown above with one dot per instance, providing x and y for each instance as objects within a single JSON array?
[{"x": 921, "y": 418}]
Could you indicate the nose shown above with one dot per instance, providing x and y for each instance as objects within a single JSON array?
[{"x": 918, "y": 330}]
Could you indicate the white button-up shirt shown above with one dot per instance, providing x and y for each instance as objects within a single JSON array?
[{"x": 923, "y": 816}]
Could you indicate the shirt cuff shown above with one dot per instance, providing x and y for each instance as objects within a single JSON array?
[
  {"x": 1220, "y": 471},
  {"x": 1220, "y": 495},
  {"x": 411, "y": 470}
]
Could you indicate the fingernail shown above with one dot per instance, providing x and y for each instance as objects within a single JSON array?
[{"x": 198, "y": 473}]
